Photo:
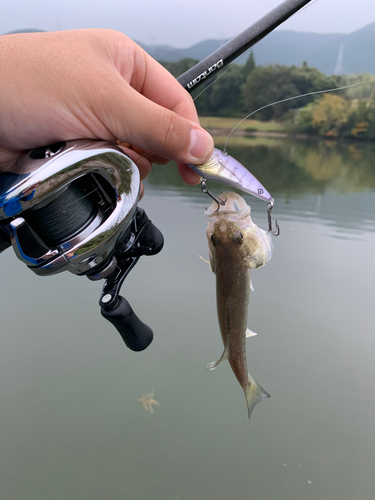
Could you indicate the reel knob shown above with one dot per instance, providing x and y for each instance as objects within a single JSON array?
[{"x": 136, "y": 334}]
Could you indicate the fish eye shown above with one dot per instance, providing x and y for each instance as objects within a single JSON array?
[{"x": 238, "y": 237}]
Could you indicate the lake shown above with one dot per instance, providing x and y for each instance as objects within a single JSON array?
[{"x": 71, "y": 424}]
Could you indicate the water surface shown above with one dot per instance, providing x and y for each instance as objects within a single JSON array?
[{"x": 71, "y": 426}]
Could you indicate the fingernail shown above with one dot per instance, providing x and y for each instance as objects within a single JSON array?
[{"x": 201, "y": 145}]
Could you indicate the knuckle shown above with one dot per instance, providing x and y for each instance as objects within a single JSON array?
[{"x": 173, "y": 140}]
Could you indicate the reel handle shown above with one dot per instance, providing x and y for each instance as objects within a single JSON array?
[{"x": 136, "y": 334}]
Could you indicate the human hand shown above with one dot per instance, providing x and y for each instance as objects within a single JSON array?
[{"x": 95, "y": 84}]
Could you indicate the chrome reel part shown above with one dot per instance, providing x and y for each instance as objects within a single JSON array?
[{"x": 72, "y": 206}]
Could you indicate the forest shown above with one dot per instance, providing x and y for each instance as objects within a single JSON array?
[{"x": 349, "y": 112}]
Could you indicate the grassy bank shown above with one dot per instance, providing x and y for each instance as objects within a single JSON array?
[{"x": 216, "y": 122}]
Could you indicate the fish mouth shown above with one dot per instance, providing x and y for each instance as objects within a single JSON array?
[
  {"x": 239, "y": 215},
  {"x": 235, "y": 208}
]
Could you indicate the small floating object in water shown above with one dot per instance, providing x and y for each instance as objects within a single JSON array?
[{"x": 147, "y": 400}]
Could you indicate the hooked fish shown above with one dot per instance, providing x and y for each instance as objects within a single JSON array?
[
  {"x": 223, "y": 168},
  {"x": 236, "y": 245}
]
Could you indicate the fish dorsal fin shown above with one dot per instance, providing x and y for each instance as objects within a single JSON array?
[
  {"x": 224, "y": 356},
  {"x": 249, "y": 333}
]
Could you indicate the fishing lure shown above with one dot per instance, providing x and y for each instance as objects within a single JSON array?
[{"x": 225, "y": 169}]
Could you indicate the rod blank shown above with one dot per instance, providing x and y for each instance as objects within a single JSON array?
[{"x": 196, "y": 75}]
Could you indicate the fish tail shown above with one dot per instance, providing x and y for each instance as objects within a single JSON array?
[{"x": 254, "y": 393}]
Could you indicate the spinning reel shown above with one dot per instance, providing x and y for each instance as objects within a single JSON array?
[{"x": 72, "y": 206}]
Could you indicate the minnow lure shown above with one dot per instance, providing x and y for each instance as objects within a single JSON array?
[{"x": 225, "y": 169}]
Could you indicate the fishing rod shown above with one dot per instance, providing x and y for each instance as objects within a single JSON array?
[
  {"x": 223, "y": 56},
  {"x": 73, "y": 206}
]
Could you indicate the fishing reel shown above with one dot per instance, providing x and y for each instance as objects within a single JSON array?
[{"x": 72, "y": 206}]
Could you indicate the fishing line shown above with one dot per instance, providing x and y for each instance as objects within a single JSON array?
[
  {"x": 88, "y": 194},
  {"x": 227, "y": 69},
  {"x": 290, "y": 99},
  {"x": 305, "y": 7},
  {"x": 246, "y": 52},
  {"x": 55, "y": 222}
]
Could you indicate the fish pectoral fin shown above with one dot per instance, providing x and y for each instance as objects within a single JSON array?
[
  {"x": 254, "y": 393},
  {"x": 206, "y": 261},
  {"x": 250, "y": 283},
  {"x": 249, "y": 333},
  {"x": 224, "y": 356}
]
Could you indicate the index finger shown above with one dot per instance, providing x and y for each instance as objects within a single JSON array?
[{"x": 160, "y": 86}]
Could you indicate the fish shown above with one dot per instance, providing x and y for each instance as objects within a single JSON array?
[
  {"x": 236, "y": 246},
  {"x": 225, "y": 169}
]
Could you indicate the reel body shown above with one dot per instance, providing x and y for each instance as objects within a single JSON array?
[{"x": 73, "y": 207}]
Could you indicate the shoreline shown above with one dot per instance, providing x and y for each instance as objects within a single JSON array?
[
  {"x": 216, "y": 131},
  {"x": 224, "y": 132}
]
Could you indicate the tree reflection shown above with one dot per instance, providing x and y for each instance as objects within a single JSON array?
[{"x": 291, "y": 166}]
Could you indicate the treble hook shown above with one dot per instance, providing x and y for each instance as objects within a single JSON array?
[
  {"x": 276, "y": 231},
  {"x": 218, "y": 200}
]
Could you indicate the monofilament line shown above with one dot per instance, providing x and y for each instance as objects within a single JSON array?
[
  {"x": 223, "y": 72},
  {"x": 246, "y": 52},
  {"x": 290, "y": 99}
]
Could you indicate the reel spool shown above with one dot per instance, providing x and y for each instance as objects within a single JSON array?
[{"x": 73, "y": 207}]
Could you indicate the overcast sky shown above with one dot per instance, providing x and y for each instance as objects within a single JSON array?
[{"x": 179, "y": 23}]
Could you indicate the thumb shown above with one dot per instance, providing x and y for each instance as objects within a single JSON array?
[{"x": 147, "y": 125}]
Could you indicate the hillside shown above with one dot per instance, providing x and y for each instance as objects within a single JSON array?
[
  {"x": 292, "y": 48},
  {"x": 289, "y": 48}
]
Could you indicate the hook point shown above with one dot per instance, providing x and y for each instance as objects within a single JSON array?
[
  {"x": 218, "y": 200},
  {"x": 275, "y": 231}
]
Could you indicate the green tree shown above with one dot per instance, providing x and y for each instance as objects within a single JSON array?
[
  {"x": 328, "y": 116},
  {"x": 357, "y": 124},
  {"x": 226, "y": 94},
  {"x": 249, "y": 65},
  {"x": 362, "y": 91},
  {"x": 179, "y": 67},
  {"x": 309, "y": 80},
  {"x": 266, "y": 85},
  {"x": 370, "y": 117},
  {"x": 273, "y": 83}
]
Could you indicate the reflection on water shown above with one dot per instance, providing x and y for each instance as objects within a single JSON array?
[
  {"x": 71, "y": 423},
  {"x": 297, "y": 167},
  {"x": 307, "y": 180}
]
